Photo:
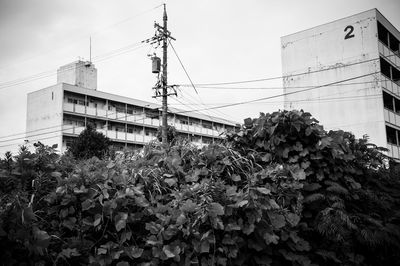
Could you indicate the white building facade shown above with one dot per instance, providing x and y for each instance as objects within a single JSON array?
[
  {"x": 58, "y": 114},
  {"x": 346, "y": 73}
]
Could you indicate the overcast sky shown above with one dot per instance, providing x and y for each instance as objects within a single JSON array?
[{"x": 217, "y": 41}]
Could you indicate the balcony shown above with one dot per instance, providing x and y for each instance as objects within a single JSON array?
[
  {"x": 393, "y": 151},
  {"x": 147, "y": 139},
  {"x": 390, "y": 85},
  {"x": 70, "y": 129},
  {"x": 101, "y": 112},
  {"x": 69, "y": 107},
  {"x": 91, "y": 111},
  {"x": 389, "y": 54}
]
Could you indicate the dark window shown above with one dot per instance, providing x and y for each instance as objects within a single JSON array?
[
  {"x": 120, "y": 109},
  {"x": 394, "y": 43},
  {"x": 382, "y": 34},
  {"x": 388, "y": 101},
  {"x": 397, "y": 105},
  {"x": 385, "y": 68},
  {"x": 396, "y": 75},
  {"x": 391, "y": 135}
]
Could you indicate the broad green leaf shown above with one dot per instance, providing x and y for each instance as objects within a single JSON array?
[
  {"x": 242, "y": 203},
  {"x": 293, "y": 219},
  {"x": 120, "y": 221},
  {"x": 56, "y": 174},
  {"x": 97, "y": 219},
  {"x": 298, "y": 174},
  {"x": 264, "y": 190},
  {"x": 69, "y": 252},
  {"x": 42, "y": 238},
  {"x": 101, "y": 251},
  {"x": 136, "y": 252},
  {"x": 271, "y": 238},
  {"x": 205, "y": 247},
  {"x": 215, "y": 209},
  {"x": 273, "y": 204},
  {"x": 189, "y": 206},
  {"x": 277, "y": 220},
  {"x": 170, "y": 181},
  {"x": 235, "y": 178},
  {"x": 170, "y": 253},
  {"x": 87, "y": 204}
]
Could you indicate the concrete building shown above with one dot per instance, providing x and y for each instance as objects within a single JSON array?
[
  {"x": 346, "y": 73},
  {"x": 58, "y": 114}
]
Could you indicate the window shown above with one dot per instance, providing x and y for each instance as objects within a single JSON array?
[
  {"x": 397, "y": 105},
  {"x": 183, "y": 122},
  {"x": 120, "y": 109},
  {"x": 388, "y": 101},
  {"x": 391, "y": 135},
  {"x": 382, "y": 34},
  {"x": 71, "y": 100},
  {"x": 207, "y": 125},
  {"x": 385, "y": 68}
]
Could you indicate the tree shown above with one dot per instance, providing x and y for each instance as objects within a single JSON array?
[
  {"x": 89, "y": 143},
  {"x": 171, "y": 134}
]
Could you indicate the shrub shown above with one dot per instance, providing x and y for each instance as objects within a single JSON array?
[
  {"x": 281, "y": 191},
  {"x": 89, "y": 143}
]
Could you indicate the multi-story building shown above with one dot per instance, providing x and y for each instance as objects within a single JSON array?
[
  {"x": 346, "y": 73},
  {"x": 58, "y": 114}
]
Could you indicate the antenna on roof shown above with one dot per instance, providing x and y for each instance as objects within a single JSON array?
[{"x": 90, "y": 49}]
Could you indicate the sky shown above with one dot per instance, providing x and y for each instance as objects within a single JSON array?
[{"x": 216, "y": 40}]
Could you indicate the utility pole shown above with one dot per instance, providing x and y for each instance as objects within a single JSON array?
[
  {"x": 165, "y": 82},
  {"x": 162, "y": 35}
]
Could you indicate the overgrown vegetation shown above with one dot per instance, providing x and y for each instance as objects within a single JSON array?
[{"x": 281, "y": 191}]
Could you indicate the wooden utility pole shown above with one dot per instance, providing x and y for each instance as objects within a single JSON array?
[
  {"x": 162, "y": 35},
  {"x": 165, "y": 82}
]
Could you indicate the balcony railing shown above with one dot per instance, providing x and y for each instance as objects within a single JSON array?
[
  {"x": 141, "y": 119},
  {"x": 393, "y": 151},
  {"x": 390, "y": 85},
  {"x": 389, "y": 54}
]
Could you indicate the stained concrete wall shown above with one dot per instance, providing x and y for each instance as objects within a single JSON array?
[
  {"x": 44, "y": 116},
  {"x": 79, "y": 73},
  {"x": 319, "y": 65}
]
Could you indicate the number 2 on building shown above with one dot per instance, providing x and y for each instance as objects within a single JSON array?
[{"x": 349, "y": 29}]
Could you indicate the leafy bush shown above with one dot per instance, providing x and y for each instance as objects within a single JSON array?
[
  {"x": 89, "y": 143},
  {"x": 281, "y": 191}
]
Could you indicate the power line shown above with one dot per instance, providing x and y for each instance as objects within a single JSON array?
[
  {"x": 286, "y": 76},
  {"x": 322, "y": 100},
  {"x": 191, "y": 82},
  {"x": 280, "y": 95},
  {"x": 50, "y": 73},
  {"x": 278, "y": 88},
  {"x": 93, "y": 34},
  {"x": 184, "y": 69}
]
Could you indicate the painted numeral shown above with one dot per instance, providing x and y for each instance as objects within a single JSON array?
[{"x": 349, "y": 29}]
